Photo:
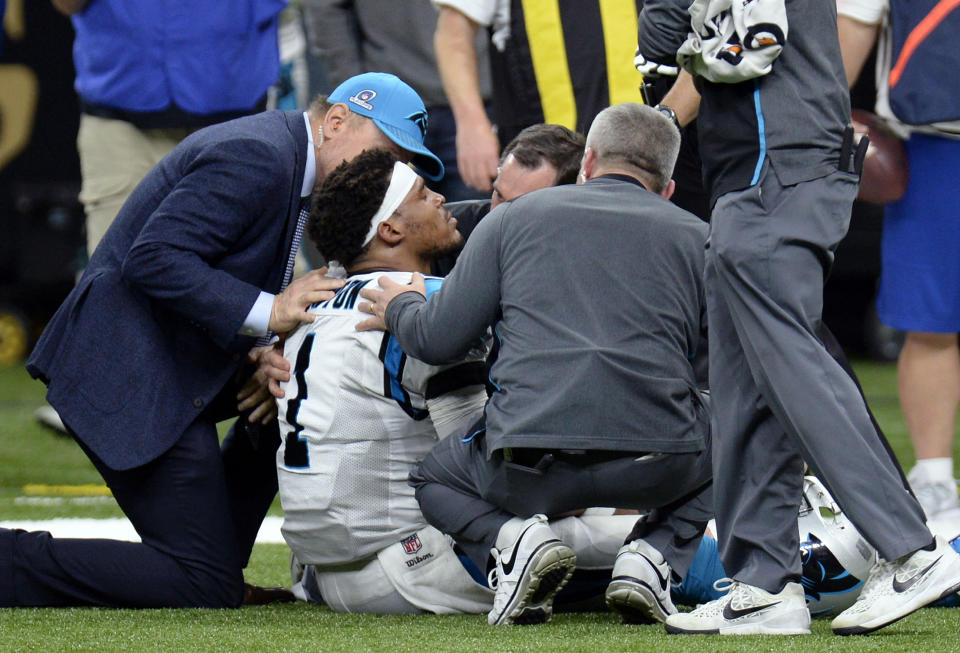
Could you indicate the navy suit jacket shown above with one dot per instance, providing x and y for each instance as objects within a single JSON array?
[{"x": 149, "y": 336}]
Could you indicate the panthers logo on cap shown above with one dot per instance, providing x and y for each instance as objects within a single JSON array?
[
  {"x": 420, "y": 119},
  {"x": 363, "y": 99}
]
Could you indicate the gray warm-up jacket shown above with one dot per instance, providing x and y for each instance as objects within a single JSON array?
[{"x": 595, "y": 293}]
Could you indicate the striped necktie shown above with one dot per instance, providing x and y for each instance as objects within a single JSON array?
[{"x": 263, "y": 341}]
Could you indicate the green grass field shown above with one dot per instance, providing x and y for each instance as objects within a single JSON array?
[{"x": 31, "y": 455}]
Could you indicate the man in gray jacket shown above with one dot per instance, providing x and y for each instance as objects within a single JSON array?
[
  {"x": 783, "y": 173},
  {"x": 595, "y": 294}
]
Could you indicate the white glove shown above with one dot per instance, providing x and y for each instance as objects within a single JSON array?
[{"x": 652, "y": 68}]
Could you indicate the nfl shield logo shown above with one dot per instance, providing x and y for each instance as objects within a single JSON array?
[
  {"x": 363, "y": 99},
  {"x": 411, "y": 544}
]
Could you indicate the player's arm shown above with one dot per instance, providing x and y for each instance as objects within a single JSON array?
[
  {"x": 213, "y": 207},
  {"x": 858, "y": 24},
  {"x": 458, "y": 315},
  {"x": 856, "y": 42},
  {"x": 683, "y": 98},
  {"x": 662, "y": 27},
  {"x": 478, "y": 149}
]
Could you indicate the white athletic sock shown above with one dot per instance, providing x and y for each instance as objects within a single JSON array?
[{"x": 936, "y": 469}]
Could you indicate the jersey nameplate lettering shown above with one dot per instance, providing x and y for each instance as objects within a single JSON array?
[{"x": 346, "y": 297}]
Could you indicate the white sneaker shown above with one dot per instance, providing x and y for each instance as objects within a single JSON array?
[
  {"x": 529, "y": 573},
  {"x": 895, "y": 589},
  {"x": 640, "y": 588},
  {"x": 936, "y": 496},
  {"x": 746, "y": 610}
]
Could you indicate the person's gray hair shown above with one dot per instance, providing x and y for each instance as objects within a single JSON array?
[
  {"x": 319, "y": 106},
  {"x": 638, "y": 137}
]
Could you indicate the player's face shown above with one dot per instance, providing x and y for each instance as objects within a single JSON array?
[
  {"x": 513, "y": 180},
  {"x": 430, "y": 226}
]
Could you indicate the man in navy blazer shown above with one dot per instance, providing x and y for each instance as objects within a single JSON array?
[{"x": 154, "y": 346}]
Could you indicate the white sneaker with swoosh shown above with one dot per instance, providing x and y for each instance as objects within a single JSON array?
[
  {"x": 746, "y": 610},
  {"x": 640, "y": 587},
  {"x": 895, "y": 589},
  {"x": 528, "y": 574}
]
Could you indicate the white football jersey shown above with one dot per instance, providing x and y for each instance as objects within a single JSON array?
[{"x": 354, "y": 421}]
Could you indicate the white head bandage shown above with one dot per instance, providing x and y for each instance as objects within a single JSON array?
[{"x": 401, "y": 182}]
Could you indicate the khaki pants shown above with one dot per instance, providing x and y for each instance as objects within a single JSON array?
[{"x": 114, "y": 157}]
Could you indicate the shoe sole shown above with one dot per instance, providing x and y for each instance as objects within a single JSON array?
[
  {"x": 635, "y": 601},
  {"x": 675, "y": 630},
  {"x": 871, "y": 626},
  {"x": 774, "y": 624},
  {"x": 547, "y": 570},
  {"x": 747, "y": 629}
]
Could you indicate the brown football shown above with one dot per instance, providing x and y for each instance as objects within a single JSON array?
[{"x": 885, "y": 167}]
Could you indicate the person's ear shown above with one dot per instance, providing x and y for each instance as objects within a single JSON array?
[
  {"x": 334, "y": 119},
  {"x": 589, "y": 165},
  {"x": 668, "y": 190},
  {"x": 390, "y": 231}
]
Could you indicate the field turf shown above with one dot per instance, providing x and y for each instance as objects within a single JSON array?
[{"x": 35, "y": 463}]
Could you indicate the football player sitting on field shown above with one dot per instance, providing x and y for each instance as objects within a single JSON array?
[{"x": 358, "y": 414}]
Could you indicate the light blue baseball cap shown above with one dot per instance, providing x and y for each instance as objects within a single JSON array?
[{"x": 396, "y": 109}]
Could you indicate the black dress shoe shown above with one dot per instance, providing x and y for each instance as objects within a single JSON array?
[{"x": 256, "y": 595}]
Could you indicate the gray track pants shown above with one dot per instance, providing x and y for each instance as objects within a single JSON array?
[
  {"x": 778, "y": 397},
  {"x": 464, "y": 493}
]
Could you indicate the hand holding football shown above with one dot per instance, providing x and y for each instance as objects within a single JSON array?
[{"x": 885, "y": 167}]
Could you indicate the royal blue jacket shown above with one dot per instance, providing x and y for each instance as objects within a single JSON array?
[{"x": 141, "y": 59}]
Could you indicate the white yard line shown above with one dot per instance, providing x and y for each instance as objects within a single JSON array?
[{"x": 120, "y": 528}]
